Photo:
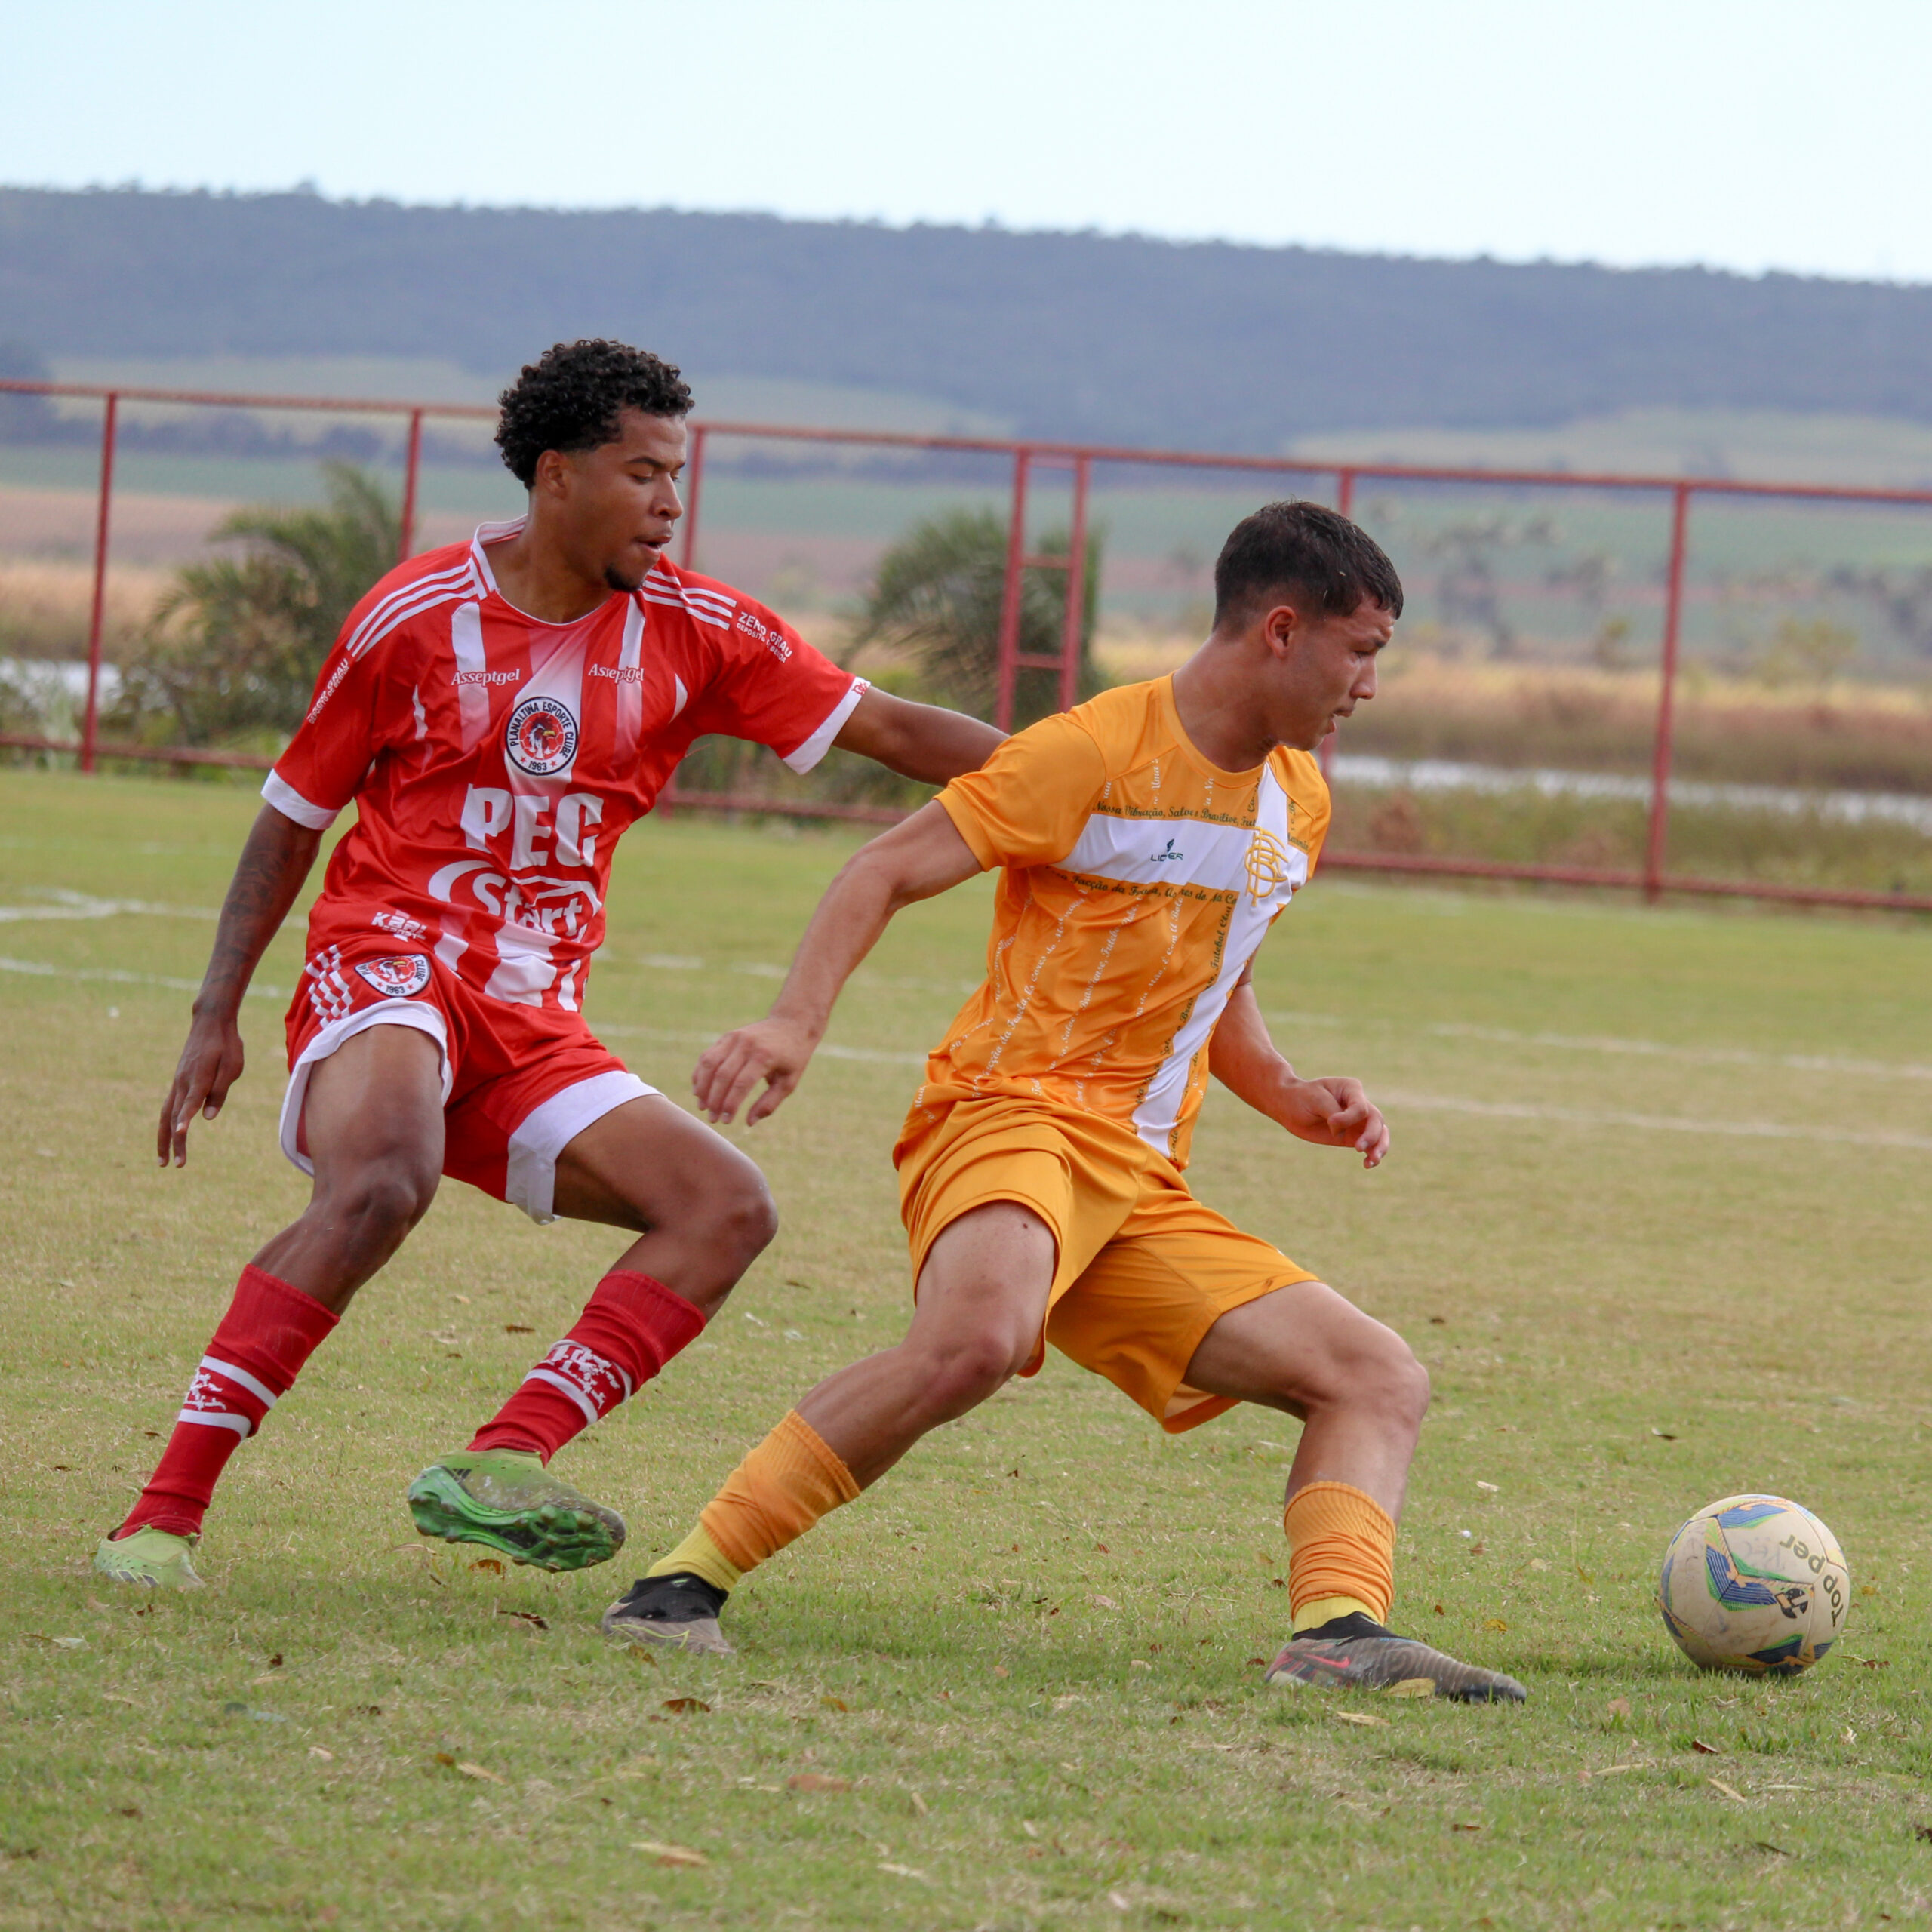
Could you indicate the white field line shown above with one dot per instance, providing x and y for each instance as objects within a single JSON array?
[
  {"x": 1871, "y": 1069},
  {"x": 670, "y": 1037},
  {"x": 1707, "y": 1128},
  {"x": 1868, "y": 1069},
  {"x": 65, "y": 904},
  {"x": 1747, "y": 1129},
  {"x": 40, "y": 969}
]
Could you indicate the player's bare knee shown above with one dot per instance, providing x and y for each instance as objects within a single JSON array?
[
  {"x": 380, "y": 1205},
  {"x": 960, "y": 1373},
  {"x": 1387, "y": 1377},
  {"x": 743, "y": 1219}
]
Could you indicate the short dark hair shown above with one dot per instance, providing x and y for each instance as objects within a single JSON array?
[
  {"x": 568, "y": 399},
  {"x": 1305, "y": 547}
]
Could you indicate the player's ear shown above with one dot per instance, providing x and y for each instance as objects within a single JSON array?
[
  {"x": 552, "y": 477},
  {"x": 1282, "y": 628}
]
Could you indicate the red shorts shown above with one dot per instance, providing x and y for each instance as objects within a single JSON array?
[{"x": 520, "y": 1083}]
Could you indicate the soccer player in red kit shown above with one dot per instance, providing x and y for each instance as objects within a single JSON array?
[{"x": 500, "y": 711}]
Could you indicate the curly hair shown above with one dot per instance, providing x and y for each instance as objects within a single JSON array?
[
  {"x": 568, "y": 399},
  {"x": 1306, "y": 547}
]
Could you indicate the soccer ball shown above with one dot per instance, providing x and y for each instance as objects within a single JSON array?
[{"x": 1754, "y": 1583}]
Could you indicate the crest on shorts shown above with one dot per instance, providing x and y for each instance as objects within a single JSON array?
[
  {"x": 401, "y": 976},
  {"x": 540, "y": 736},
  {"x": 1267, "y": 865}
]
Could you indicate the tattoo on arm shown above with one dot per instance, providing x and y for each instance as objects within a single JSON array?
[{"x": 274, "y": 862}]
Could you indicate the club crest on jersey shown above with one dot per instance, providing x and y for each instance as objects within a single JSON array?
[
  {"x": 541, "y": 736},
  {"x": 401, "y": 976},
  {"x": 1267, "y": 865}
]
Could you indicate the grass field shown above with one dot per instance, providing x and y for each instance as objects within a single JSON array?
[{"x": 1657, "y": 1217}]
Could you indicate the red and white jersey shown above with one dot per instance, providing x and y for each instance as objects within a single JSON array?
[{"x": 495, "y": 759}]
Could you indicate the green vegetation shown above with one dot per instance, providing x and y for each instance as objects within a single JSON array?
[
  {"x": 1016, "y": 1688},
  {"x": 937, "y": 595},
  {"x": 235, "y": 644}
]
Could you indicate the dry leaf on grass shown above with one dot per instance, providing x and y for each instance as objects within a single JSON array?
[
  {"x": 1001, "y": 1670},
  {"x": 316, "y": 1751},
  {"x": 1413, "y": 1687},
  {"x": 919, "y": 1805},
  {"x": 1103, "y": 1603},
  {"x": 489, "y": 1563},
  {"x": 670, "y": 1854},
  {"x": 481, "y": 1771},
  {"x": 528, "y": 1617},
  {"x": 686, "y": 1704},
  {"x": 517, "y": 1328},
  {"x": 1718, "y": 1784},
  {"x": 1458, "y": 1825},
  {"x": 1494, "y": 1624},
  {"x": 822, "y": 1781},
  {"x": 903, "y": 1871},
  {"x": 1617, "y": 1707},
  {"x": 834, "y": 1703},
  {"x": 1704, "y": 1750},
  {"x": 1357, "y": 1717}
]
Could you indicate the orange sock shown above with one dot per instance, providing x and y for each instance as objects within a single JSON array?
[
  {"x": 776, "y": 1494},
  {"x": 1341, "y": 1554}
]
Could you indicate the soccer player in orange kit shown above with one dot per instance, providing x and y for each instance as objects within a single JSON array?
[
  {"x": 498, "y": 711},
  {"x": 1147, "y": 840}
]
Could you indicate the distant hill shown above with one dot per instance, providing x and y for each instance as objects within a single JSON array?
[{"x": 1111, "y": 339}]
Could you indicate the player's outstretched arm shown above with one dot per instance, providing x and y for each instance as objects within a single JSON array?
[
  {"x": 915, "y": 860},
  {"x": 922, "y": 741},
  {"x": 273, "y": 864},
  {"x": 1332, "y": 1112}
]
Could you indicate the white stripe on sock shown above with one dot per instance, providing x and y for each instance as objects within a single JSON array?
[
  {"x": 259, "y": 1390},
  {"x": 590, "y": 1417},
  {"x": 240, "y": 1424}
]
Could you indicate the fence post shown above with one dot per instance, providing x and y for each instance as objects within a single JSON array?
[
  {"x": 1076, "y": 589},
  {"x": 96, "y": 618},
  {"x": 412, "y": 468},
  {"x": 1660, "y": 759},
  {"x": 694, "y": 483},
  {"x": 1345, "y": 502},
  {"x": 1009, "y": 607}
]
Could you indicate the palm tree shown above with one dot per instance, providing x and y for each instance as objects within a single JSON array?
[
  {"x": 938, "y": 593},
  {"x": 235, "y": 644}
]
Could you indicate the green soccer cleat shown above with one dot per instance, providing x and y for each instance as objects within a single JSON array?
[
  {"x": 506, "y": 1500},
  {"x": 158, "y": 1558}
]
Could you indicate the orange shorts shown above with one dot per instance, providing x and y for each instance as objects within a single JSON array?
[{"x": 1143, "y": 1269}]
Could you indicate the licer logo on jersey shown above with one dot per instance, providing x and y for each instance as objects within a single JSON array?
[
  {"x": 540, "y": 736},
  {"x": 400, "y": 976}
]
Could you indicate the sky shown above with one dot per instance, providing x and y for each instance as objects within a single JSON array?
[{"x": 1747, "y": 134}]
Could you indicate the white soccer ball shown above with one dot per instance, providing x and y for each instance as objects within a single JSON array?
[{"x": 1755, "y": 1583}]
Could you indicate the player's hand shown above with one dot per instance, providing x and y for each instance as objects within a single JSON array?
[
  {"x": 1336, "y": 1113},
  {"x": 210, "y": 1064},
  {"x": 773, "y": 1051}
]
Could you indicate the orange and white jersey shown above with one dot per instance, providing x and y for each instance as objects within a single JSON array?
[{"x": 1139, "y": 879}]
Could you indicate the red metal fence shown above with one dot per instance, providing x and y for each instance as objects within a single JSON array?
[{"x": 1028, "y": 458}]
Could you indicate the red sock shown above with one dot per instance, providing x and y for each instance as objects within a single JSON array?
[
  {"x": 630, "y": 1327},
  {"x": 269, "y": 1331}
]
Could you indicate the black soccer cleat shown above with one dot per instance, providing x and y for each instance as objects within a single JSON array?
[
  {"x": 678, "y": 1612},
  {"x": 1356, "y": 1653}
]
